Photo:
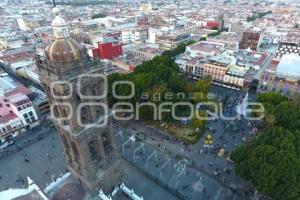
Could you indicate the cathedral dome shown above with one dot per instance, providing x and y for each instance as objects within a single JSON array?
[{"x": 64, "y": 50}]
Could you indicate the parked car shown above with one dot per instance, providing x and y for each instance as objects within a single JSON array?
[
  {"x": 10, "y": 140},
  {"x": 3, "y": 145}
]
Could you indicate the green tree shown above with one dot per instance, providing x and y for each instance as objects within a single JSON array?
[
  {"x": 99, "y": 15},
  {"x": 198, "y": 123},
  {"x": 272, "y": 98},
  {"x": 203, "y": 38},
  {"x": 203, "y": 85},
  {"x": 272, "y": 162},
  {"x": 287, "y": 115}
]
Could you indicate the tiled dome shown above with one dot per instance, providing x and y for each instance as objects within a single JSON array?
[{"x": 64, "y": 50}]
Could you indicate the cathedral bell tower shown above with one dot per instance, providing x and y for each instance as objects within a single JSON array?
[{"x": 76, "y": 89}]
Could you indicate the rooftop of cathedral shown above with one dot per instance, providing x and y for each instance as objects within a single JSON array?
[{"x": 66, "y": 187}]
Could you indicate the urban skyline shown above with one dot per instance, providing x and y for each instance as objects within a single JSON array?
[{"x": 111, "y": 100}]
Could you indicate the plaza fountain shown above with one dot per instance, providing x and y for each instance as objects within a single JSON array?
[{"x": 241, "y": 108}]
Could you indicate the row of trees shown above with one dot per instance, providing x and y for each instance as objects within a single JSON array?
[
  {"x": 257, "y": 15},
  {"x": 271, "y": 161},
  {"x": 204, "y": 38},
  {"x": 180, "y": 49},
  {"x": 99, "y": 15}
]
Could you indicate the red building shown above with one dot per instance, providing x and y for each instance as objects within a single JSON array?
[
  {"x": 107, "y": 50},
  {"x": 213, "y": 24}
]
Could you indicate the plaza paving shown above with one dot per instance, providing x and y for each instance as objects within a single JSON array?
[
  {"x": 174, "y": 174},
  {"x": 39, "y": 167}
]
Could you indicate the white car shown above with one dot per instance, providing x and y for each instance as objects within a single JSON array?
[{"x": 3, "y": 145}]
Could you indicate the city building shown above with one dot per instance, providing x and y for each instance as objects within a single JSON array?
[
  {"x": 250, "y": 40},
  {"x": 255, "y": 60},
  {"x": 23, "y": 108},
  {"x": 143, "y": 51},
  {"x": 286, "y": 47},
  {"x": 134, "y": 35},
  {"x": 17, "y": 114},
  {"x": 235, "y": 76},
  {"x": 213, "y": 24},
  {"x": 195, "y": 55},
  {"x": 204, "y": 48},
  {"x": 38, "y": 98},
  {"x": 10, "y": 86},
  {"x": 194, "y": 67},
  {"x": 107, "y": 50},
  {"x": 289, "y": 44},
  {"x": 221, "y": 22},
  {"x": 146, "y": 7},
  {"x": 10, "y": 124},
  {"x": 217, "y": 67},
  {"x": 171, "y": 40},
  {"x": 282, "y": 76},
  {"x": 237, "y": 28},
  {"x": 229, "y": 39}
]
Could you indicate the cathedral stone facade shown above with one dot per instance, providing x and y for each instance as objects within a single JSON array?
[{"x": 76, "y": 91}]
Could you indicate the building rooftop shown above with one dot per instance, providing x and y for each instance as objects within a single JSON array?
[
  {"x": 235, "y": 70},
  {"x": 225, "y": 58},
  {"x": 6, "y": 112},
  {"x": 289, "y": 66},
  {"x": 19, "y": 97},
  {"x": 252, "y": 58},
  {"x": 6, "y": 83},
  {"x": 207, "y": 46}
]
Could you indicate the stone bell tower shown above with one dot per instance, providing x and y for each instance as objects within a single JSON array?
[{"x": 76, "y": 89}]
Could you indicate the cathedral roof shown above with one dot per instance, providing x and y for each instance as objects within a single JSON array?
[
  {"x": 70, "y": 191},
  {"x": 64, "y": 50}
]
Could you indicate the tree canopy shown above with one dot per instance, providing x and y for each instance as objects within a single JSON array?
[
  {"x": 271, "y": 160},
  {"x": 157, "y": 78},
  {"x": 99, "y": 15},
  {"x": 284, "y": 113},
  {"x": 257, "y": 15}
]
